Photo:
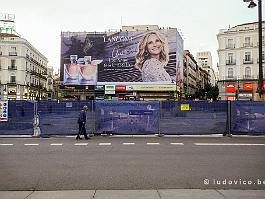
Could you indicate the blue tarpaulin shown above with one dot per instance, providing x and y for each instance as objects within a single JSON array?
[
  {"x": 127, "y": 117},
  {"x": 248, "y": 117}
]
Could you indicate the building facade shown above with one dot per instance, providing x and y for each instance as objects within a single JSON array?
[
  {"x": 204, "y": 59},
  {"x": 238, "y": 61},
  {"x": 195, "y": 77},
  {"x": 23, "y": 69}
]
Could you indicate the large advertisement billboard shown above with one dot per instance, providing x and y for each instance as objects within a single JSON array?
[{"x": 126, "y": 57}]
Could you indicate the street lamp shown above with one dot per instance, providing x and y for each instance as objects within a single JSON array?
[{"x": 252, "y": 4}]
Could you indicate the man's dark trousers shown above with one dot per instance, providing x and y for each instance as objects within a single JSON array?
[{"x": 82, "y": 130}]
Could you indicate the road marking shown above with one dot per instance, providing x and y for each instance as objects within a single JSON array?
[
  {"x": 31, "y": 144},
  {"x": 128, "y": 143},
  {"x": 152, "y": 143},
  {"x": 174, "y": 143},
  {"x": 104, "y": 144},
  {"x": 56, "y": 144},
  {"x": 6, "y": 144},
  {"x": 81, "y": 144},
  {"x": 227, "y": 144}
]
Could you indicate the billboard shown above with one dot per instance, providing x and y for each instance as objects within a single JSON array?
[{"x": 126, "y": 57}]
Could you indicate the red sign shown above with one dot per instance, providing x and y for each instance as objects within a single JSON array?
[
  {"x": 230, "y": 88},
  {"x": 231, "y": 98},
  {"x": 120, "y": 88},
  {"x": 248, "y": 86}
]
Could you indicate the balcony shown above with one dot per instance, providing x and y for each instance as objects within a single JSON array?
[
  {"x": 12, "y": 53},
  {"x": 248, "y": 77},
  {"x": 12, "y": 82},
  {"x": 12, "y": 67},
  {"x": 247, "y": 61},
  {"x": 231, "y": 62},
  {"x": 248, "y": 45},
  {"x": 230, "y": 78},
  {"x": 230, "y": 46}
]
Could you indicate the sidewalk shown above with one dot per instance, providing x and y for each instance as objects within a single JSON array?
[{"x": 136, "y": 194}]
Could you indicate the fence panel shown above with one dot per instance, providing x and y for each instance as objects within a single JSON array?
[
  {"x": 60, "y": 117},
  {"x": 20, "y": 118},
  {"x": 193, "y": 117},
  {"x": 127, "y": 117},
  {"x": 248, "y": 117}
]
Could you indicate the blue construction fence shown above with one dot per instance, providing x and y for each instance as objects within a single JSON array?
[{"x": 137, "y": 117}]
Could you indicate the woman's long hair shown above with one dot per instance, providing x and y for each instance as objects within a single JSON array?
[{"x": 142, "y": 54}]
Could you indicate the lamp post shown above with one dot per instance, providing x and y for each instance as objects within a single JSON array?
[{"x": 252, "y": 4}]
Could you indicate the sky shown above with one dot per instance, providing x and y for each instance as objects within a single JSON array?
[{"x": 41, "y": 22}]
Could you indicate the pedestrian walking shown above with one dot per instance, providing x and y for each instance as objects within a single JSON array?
[{"x": 82, "y": 124}]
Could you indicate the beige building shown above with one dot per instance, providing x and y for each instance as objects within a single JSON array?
[
  {"x": 195, "y": 77},
  {"x": 204, "y": 60},
  {"x": 23, "y": 69},
  {"x": 238, "y": 61}
]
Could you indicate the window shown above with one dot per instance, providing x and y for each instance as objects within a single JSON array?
[
  {"x": 230, "y": 72},
  {"x": 247, "y": 56},
  {"x": 247, "y": 40},
  {"x": 13, "y": 63},
  {"x": 248, "y": 72},
  {"x": 13, "y": 49},
  {"x": 230, "y": 57},
  {"x": 13, "y": 79},
  {"x": 230, "y": 43}
]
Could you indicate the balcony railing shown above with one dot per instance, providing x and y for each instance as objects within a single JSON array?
[
  {"x": 11, "y": 82},
  {"x": 247, "y": 45},
  {"x": 247, "y": 61},
  {"x": 248, "y": 76},
  {"x": 230, "y": 77},
  {"x": 12, "y": 67},
  {"x": 229, "y": 46},
  {"x": 12, "y": 53},
  {"x": 231, "y": 62}
]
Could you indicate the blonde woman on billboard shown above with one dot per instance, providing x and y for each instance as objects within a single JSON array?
[{"x": 152, "y": 56}]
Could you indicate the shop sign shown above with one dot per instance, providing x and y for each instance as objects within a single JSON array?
[
  {"x": 231, "y": 98},
  {"x": 230, "y": 88},
  {"x": 120, "y": 88},
  {"x": 109, "y": 87},
  {"x": 99, "y": 88},
  {"x": 248, "y": 86},
  {"x": 109, "y": 92},
  {"x": 151, "y": 88},
  {"x": 3, "y": 111}
]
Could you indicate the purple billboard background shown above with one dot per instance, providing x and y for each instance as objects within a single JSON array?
[{"x": 109, "y": 58}]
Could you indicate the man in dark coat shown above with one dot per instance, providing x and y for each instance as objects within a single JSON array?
[{"x": 82, "y": 124}]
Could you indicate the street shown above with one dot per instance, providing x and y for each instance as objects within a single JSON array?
[{"x": 123, "y": 163}]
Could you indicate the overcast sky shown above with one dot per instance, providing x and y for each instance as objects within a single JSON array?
[{"x": 41, "y": 22}]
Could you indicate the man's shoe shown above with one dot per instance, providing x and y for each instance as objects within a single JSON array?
[{"x": 78, "y": 138}]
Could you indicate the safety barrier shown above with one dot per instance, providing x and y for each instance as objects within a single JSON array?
[
  {"x": 193, "y": 117},
  {"x": 248, "y": 117},
  {"x": 20, "y": 118},
  {"x": 127, "y": 117},
  {"x": 135, "y": 117}
]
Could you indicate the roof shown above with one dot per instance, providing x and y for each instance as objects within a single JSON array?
[{"x": 8, "y": 35}]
